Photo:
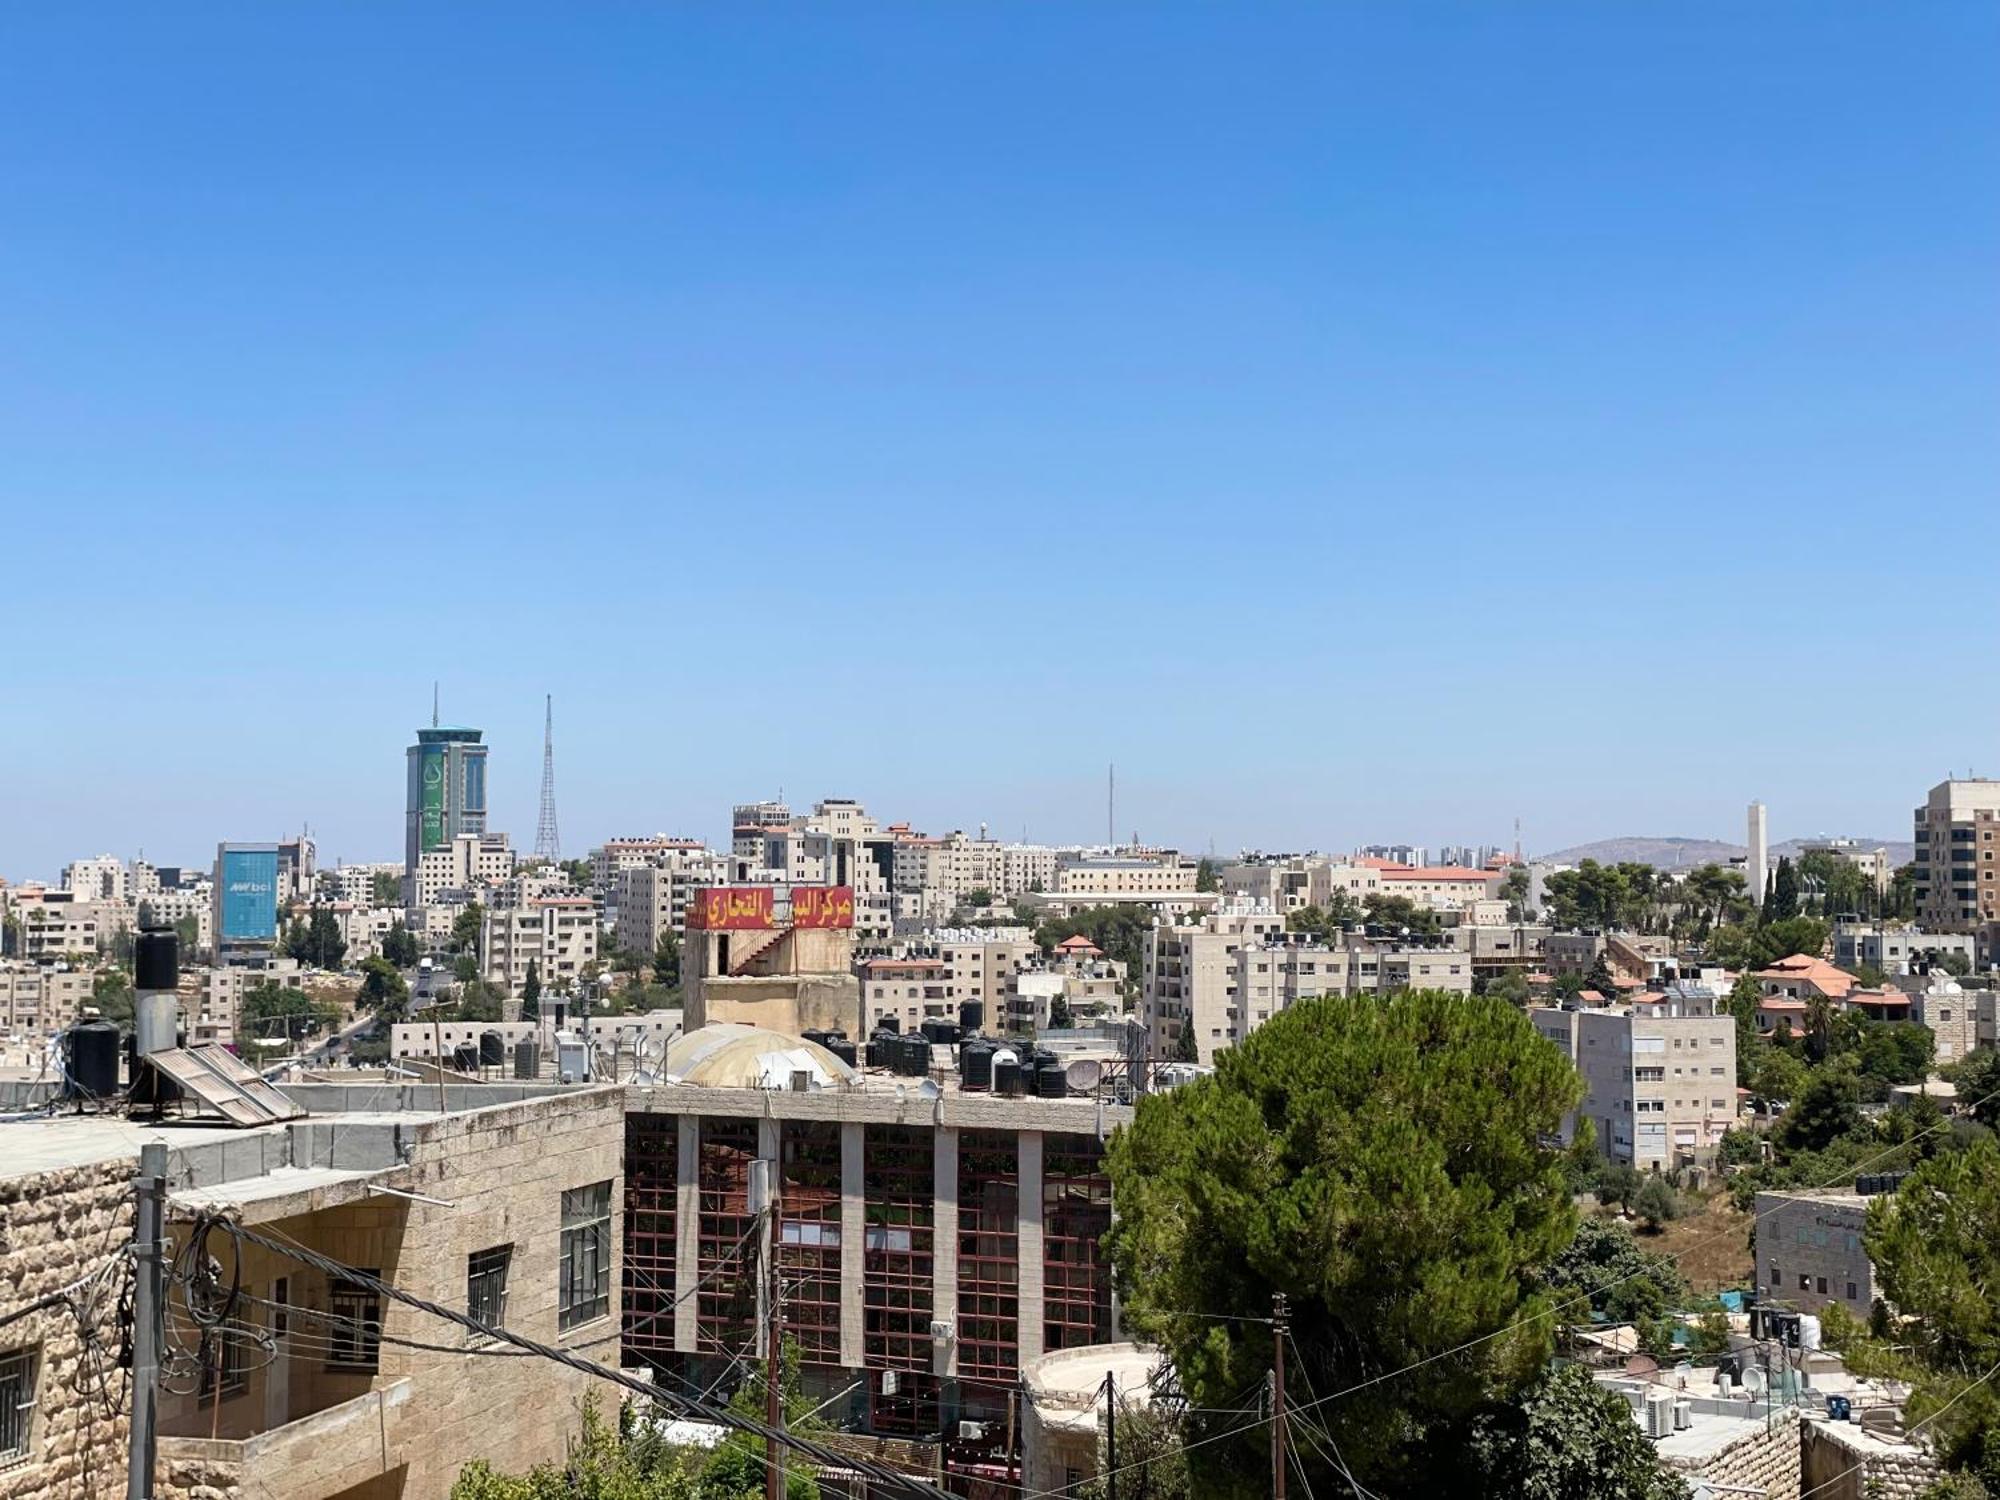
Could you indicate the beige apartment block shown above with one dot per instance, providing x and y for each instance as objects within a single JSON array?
[
  {"x": 651, "y": 898},
  {"x": 1659, "y": 1074},
  {"x": 466, "y": 863},
  {"x": 37, "y": 1001},
  {"x": 1957, "y": 876},
  {"x": 557, "y": 934},
  {"x": 1809, "y": 1250}
]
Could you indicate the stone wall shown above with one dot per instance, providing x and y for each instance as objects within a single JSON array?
[
  {"x": 1766, "y": 1459},
  {"x": 55, "y": 1227},
  {"x": 1842, "y": 1462}
]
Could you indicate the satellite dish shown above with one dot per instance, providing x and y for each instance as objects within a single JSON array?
[
  {"x": 928, "y": 1090},
  {"x": 1754, "y": 1381},
  {"x": 1084, "y": 1074}
]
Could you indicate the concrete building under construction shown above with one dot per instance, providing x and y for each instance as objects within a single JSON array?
[{"x": 934, "y": 1236}]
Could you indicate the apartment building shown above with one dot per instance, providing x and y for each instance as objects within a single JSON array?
[
  {"x": 902, "y": 991},
  {"x": 836, "y": 844},
  {"x": 1899, "y": 948},
  {"x": 104, "y": 878},
  {"x": 929, "y": 1255},
  {"x": 1659, "y": 1074},
  {"x": 55, "y": 923},
  {"x": 1960, "y": 1019},
  {"x": 1440, "y": 887},
  {"x": 319, "y": 1388},
  {"x": 651, "y": 898},
  {"x": 1189, "y": 976},
  {"x": 356, "y": 883},
  {"x": 557, "y": 934},
  {"x": 1810, "y": 1253},
  {"x": 1957, "y": 879},
  {"x": 1116, "y": 875},
  {"x": 463, "y": 863},
  {"x": 363, "y": 928},
  {"x": 37, "y": 1000}
]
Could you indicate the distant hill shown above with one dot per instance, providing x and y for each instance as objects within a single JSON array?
[{"x": 1680, "y": 853}]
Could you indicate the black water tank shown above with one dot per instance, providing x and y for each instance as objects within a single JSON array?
[
  {"x": 1050, "y": 1082},
  {"x": 843, "y": 1049},
  {"x": 1006, "y": 1076},
  {"x": 817, "y": 1038},
  {"x": 917, "y": 1056},
  {"x": 971, "y": 1015},
  {"x": 465, "y": 1058},
  {"x": 91, "y": 1050},
  {"x": 878, "y": 1048},
  {"x": 975, "y": 1064},
  {"x": 944, "y": 1033},
  {"x": 492, "y": 1049},
  {"x": 156, "y": 959},
  {"x": 527, "y": 1058},
  {"x": 887, "y": 1023}
]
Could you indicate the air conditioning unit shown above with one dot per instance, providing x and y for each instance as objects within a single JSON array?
[
  {"x": 941, "y": 1333},
  {"x": 1683, "y": 1415},
  {"x": 971, "y": 1432},
  {"x": 1659, "y": 1414}
]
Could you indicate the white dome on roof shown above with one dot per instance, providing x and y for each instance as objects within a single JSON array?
[{"x": 729, "y": 1055}]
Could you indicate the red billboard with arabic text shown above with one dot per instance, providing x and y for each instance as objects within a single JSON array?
[
  {"x": 732, "y": 908},
  {"x": 822, "y": 906}
]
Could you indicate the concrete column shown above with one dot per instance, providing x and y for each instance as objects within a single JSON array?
[
  {"x": 1029, "y": 1248},
  {"x": 944, "y": 1247},
  {"x": 853, "y": 1243},
  {"x": 768, "y": 1136},
  {"x": 687, "y": 1232}
]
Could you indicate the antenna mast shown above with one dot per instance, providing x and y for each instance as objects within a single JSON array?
[
  {"x": 434, "y": 703},
  {"x": 1111, "y": 806},
  {"x": 548, "y": 845}
]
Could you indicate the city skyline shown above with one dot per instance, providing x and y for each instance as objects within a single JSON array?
[
  {"x": 1301, "y": 409},
  {"x": 1069, "y": 819}
]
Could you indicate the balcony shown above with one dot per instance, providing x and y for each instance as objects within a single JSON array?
[{"x": 309, "y": 1459}]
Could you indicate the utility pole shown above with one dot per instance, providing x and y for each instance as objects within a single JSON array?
[
  {"x": 1110, "y": 1435},
  {"x": 774, "y": 1354},
  {"x": 148, "y": 1317},
  {"x": 1279, "y": 1331}
]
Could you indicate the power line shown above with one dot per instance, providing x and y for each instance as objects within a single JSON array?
[{"x": 701, "y": 1407}]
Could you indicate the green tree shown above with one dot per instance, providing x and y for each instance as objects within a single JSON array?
[
  {"x": 1901, "y": 900},
  {"x": 188, "y": 932},
  {"x": 1510, "y": 985},
  {"x": 667, "y": 959},
  {"x": 531, "y": 993},
  {"x": 298, "y": 945},
  {"x": 1600, "y": 977},
  {"x": 1605, "y": 1268},
  {"x": 1207, "y": 877},
  {"x": 1825, "y": 1111},
  {"x": 1118, "y": 931},
  {"x": 465, "y": 968},
  {"x": 1565, "y": 1438},
  {"x": 1516, "y": 886},
  {"x": 1271, "y": 1175},
  {"x": 1152, "y": 1455},
  {"x": 1059, "y": 1013},
  {"x": 1617, "y": 1184},
  {"x": 1400, "y": 912},
  {"x": 1187, "y": 1047},
  {"x": 399, "y": 946},
  {"x": 478, "y": 1001},
  {"x": 1739, "y": 946},
  {"x": 111, "y": 993},
  {"x": 271, "y": 1002},
  {"x": 1935, "y": 1244},
  {"x": 979, "y": 896},
  {"x": 465, "y": 928},
  {"x": 599, "y": 1466},
  {"x": 1780, "y": 1077},
  {"x": 1977, "y": 1078},
  {"x": 385, "y": 889},
  {"x": 383, "y": 990},
  {"x": 1783, "y": 903},
  {"x": 1655, "y": 1202}
]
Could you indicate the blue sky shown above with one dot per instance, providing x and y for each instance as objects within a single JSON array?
[{"x": 1358, "y": 422}]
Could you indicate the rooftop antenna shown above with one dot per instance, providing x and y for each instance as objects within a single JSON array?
[
  {"x": 434, "y": 703},
  {"x": 547, "y": 845},
  {"x": 1111, "y": 806},
  {"x": 1517, "y": 840}
]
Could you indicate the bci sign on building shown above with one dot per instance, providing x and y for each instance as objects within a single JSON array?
[{"x": 246, "y": 884}]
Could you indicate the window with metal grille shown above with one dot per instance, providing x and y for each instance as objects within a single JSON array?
[
  {"x": 1076, "y": 1212},
  {"x": 725, "y": 1266},
  {"x": 354, "y": 1325},
  {"x": 897, "y": 1295},
  {"x": 584, "y": 1288},
  {"x": 988, "y": 1258},
  {"x": 809, "y": 1246},
  {"x": 17, "y": 1402},
  {"x": 486, "y": 1286},
  {"x": 652, "y": 1172}
]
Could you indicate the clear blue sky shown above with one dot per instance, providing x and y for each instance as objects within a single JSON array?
[{"x": 1357, "y": 421}]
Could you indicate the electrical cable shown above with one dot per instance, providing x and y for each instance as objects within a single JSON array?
[{"x": 894, "y": 1481}]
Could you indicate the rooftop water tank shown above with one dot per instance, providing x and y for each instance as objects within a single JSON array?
[
  {"x": 527, "y": 1058},
  {"x": 975, "y": 1064},
  {"x": 90, "y": 1053},
  {"x": 492, "y": 1049}
]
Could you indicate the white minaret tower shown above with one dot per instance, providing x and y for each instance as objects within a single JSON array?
[{"x": 1757, "y": 872}]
